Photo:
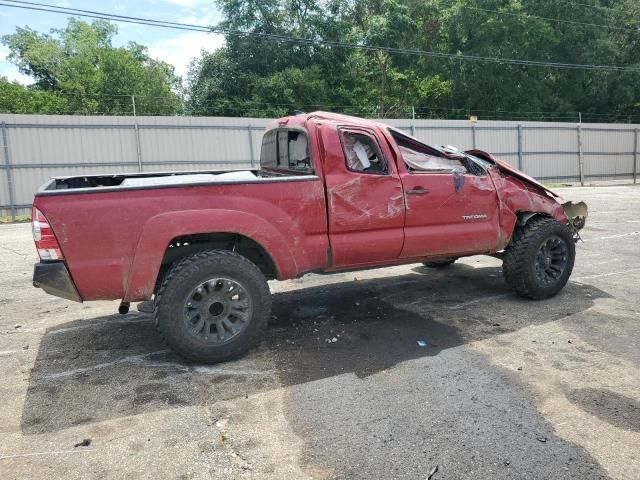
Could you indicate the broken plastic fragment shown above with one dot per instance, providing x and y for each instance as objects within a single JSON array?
[{"x": 576, "y": 213}]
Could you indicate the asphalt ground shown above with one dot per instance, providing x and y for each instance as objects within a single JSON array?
[{"x": 505, "y": 388}]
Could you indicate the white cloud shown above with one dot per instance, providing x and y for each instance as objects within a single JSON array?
[
  {"x": 204, "y": 20},
  {"x": 9, "y": 70},
  {"x": 206, "y": 16},
  {"x": 180, "y": 49},
  {"x": 189, "y": 3}
]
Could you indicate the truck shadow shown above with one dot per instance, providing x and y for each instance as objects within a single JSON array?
[{"x": 113, "y": 366}]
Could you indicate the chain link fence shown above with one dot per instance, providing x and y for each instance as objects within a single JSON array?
[{"x": 37, "y": 147}]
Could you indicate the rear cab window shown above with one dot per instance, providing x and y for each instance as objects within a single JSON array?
[{"x": 287, "y": 150}]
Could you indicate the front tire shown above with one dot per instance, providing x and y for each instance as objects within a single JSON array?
[
  {"x": 213, "y": 306},
  {"x": 538, "y": 262}
]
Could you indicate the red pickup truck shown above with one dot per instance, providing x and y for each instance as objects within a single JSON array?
[{"x": 333, "y": 193}]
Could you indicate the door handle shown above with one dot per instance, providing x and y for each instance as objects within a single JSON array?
[{"x": 417, "y": 191}]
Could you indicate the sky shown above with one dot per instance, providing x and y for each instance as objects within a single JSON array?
[{"x": 176, "y": 47}]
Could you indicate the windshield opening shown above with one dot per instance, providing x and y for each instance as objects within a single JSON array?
[{"x": 420, "y": 157}]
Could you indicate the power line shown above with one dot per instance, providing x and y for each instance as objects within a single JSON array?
[
  {"x": 251, "y": 103},
  {"x": 44, "y": 7},
  {"x": 313, "y": 42},
  {"x": 217, "y": 110},
  {"x": 268, "y": 109},
  {"x": 125, "y": 18},
  {"x": 595, "y": 7},
  {"x": 550, "y": 19}
]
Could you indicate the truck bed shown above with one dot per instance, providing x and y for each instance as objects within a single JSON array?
[
  {"x": 137, "y": 181},
  {"x": 123, "y": 225}
]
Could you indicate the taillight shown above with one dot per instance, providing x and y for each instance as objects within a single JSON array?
[{"x": 46, "y": 243}]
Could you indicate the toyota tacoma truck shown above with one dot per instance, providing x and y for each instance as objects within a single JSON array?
[{"x": 333, "y": 193}]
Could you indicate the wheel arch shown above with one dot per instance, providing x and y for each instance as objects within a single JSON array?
[
  {"x": 199, "y": 229},
  {"x": 185, "y": 245},
  {"x": 524, "y": 217}
]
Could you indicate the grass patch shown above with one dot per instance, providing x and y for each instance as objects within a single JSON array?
[{"x": 19, "y": 219}]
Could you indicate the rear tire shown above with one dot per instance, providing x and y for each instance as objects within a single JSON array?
[
  {"x": 213, "y": 306},
  {"x": 538, "y": 262},
  {"x": 444, "y": 263}
]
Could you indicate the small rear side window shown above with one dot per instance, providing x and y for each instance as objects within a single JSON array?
[
  {"x": 286, "y": 150},
  {"x": 362, "y": 154}
]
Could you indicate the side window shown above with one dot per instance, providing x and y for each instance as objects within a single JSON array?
[
  {"x": 286, "y": 150},
  {"x": 362, "y": 154}
]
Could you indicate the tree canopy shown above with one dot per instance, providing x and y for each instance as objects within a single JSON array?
[
  {"x": 78, "y": 70},
  {"x": 252, "y": 76}
]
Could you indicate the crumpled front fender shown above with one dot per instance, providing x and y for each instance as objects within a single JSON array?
[{"x": 576, "y": 213}]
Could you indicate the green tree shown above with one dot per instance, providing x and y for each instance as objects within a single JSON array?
[
  {"x": 16, "y": 98},
  {"x": 80, "y": 63},
  {"x": 253, "y": 75}
]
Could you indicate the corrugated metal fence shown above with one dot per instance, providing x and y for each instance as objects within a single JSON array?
[{"x": 37, "y": 147}]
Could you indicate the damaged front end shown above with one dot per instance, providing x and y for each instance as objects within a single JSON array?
[{"x": 577, "y": 214}]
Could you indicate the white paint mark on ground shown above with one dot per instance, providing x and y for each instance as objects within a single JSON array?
[
  {"x": 608, "y": 261},
  {"x": 143, "y": 360},
  {"x": 129, "y": 359},
  {"x": 610, "y": 237},
  {"x": 57, "y": 452},
  {"x": 609, "y": 274},
  {"x": 203, "y": 369},
  {"x": 5, "y": 353},
  {"x": 22, "y": 330},
  {"x": 231, "y": 371},
  {"x": 98, "y": 324}
]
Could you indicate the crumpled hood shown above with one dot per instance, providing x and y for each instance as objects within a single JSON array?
[
  {"x": 505, "y": 167},
  {"x": 576, "y": 213}
]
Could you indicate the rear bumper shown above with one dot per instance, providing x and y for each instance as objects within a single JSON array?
[{"x": 55, "y": 279}]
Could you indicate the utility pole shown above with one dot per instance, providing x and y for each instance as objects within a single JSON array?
[
  {"x": 520, "y": 156},
  {"x": 635, "y": 155},
  {"x": 137, "y": 133},
  {"x": 413, "y": 121},
  {"x": 7, "y": 165},
  {"x": 580, "y": 153}
]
